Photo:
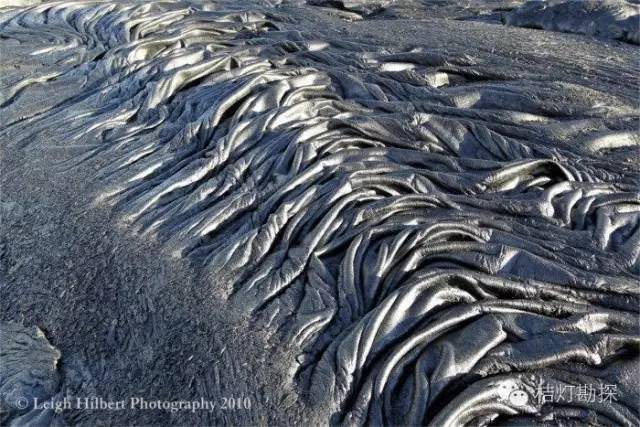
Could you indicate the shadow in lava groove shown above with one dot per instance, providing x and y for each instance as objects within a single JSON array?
[{"x": 427, "y": 227}]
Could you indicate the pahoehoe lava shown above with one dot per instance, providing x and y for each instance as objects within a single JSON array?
[{"x": 425, "y": 211}]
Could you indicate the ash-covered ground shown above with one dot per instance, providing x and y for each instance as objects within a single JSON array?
[{"x": 290, "y": 212}]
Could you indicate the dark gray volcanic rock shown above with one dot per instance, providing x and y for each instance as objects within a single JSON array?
[
  {"x": 359, "y": 6},
  {"x": 486, "y": 10},
  {"x": 343, "y": 215},
  {"x": 28, "y": 374},
  {"x": 611, "y": 19}
]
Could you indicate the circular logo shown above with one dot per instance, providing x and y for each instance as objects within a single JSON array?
[
  {"x": 509, "y": 391},
  {"x": 518, "y": 398},
  {"x": 22, "y": 403}
]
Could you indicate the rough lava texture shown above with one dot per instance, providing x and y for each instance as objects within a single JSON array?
[{"x": 426, "y": 213}]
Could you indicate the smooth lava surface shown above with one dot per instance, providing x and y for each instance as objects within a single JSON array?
[{"x": 348, "y": 212}]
